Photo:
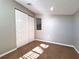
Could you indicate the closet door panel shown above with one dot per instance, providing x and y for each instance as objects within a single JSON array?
[
  {"x": 31, "y": 28},
  {"x": 21, "y": 28}
]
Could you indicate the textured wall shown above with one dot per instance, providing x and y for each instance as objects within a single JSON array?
[
  {"x": 56, "y": 29},
  {"x": 76, "y": 30}
]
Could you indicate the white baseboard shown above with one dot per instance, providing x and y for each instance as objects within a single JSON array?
[
  {"x": 24, "y": 44},
  {"x": 59, "y": 44},
  {"x": 12, "y": 50},
  {"x": 76, "y": 49},
  {"x": 43, "y": 41},
  {"x": 7, "y": 52},
  {"x": 55, "y": 43}
]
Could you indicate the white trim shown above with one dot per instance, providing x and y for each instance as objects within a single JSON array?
[
  {"x": 43, "y": 41},
  {"x": 7, "y": 52},
  {"x": 55, "y": 43},
  {"x": 72, "y": 46},
  {"x": 25, "y": 44},
  {"x": 12, "y": 50},
  {"x": 76, "y": 49}
]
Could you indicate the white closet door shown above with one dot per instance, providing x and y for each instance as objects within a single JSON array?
[
  {"x": 21, "y": 28},
  {"x": 31, "y": 28}
]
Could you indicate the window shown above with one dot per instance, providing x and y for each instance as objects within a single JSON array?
[{"x": 38, "y": 23}]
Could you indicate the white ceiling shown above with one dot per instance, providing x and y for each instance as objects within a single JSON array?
[{"x": 61, "y": 7}]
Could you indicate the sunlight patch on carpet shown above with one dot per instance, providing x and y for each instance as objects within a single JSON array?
[
  {"x": 38, "y": 50},
  {"x": 44, "y": 46},
  {"x": 35, "y": 52}
]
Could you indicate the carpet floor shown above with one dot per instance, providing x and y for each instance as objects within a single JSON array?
[{"x": 37, "y": 50}]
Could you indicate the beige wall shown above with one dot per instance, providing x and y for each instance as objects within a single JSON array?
[
  {"x": 56, "y": 29},
  {"x": 61, "y": 29},
  {"x": 7, "y": 24},
  {"x": 76, "y": 30}
]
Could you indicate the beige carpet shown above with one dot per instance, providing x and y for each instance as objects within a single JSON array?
[{"x": 43, "y": 50}]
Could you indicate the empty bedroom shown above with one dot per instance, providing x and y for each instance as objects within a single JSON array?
[{"x": 39, "y": 29}]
